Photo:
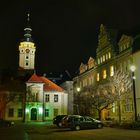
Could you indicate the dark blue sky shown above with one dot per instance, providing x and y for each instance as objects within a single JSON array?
[{"x": 65, "y": 32}]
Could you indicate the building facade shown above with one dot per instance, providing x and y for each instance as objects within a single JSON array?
[
  {"x": 44, "y": 99},
  {"x": 40, "y": 99},
  {"x": 68, "y": 87},
  {"x": 27, "y": 49},
  {"x": 112, "y": 55}
]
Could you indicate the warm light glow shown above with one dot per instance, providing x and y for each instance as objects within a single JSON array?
[
  {"x": 104, "y": 74},
  {"x": 98, "y": 77},
  {"x": 78, "y": 89},
  {"x": 103, "y": 58},
  {"x": 109, "y": 55},
  {"x": 111, "y": 70},
  {"x": 133, "y": 68},
  {"x": 27, "y": 44}
]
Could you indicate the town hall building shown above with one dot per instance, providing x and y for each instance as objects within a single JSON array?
[{"x": 41, "y": 99}]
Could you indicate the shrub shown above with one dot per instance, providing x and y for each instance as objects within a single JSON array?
[{"x": 136, "y": 125}]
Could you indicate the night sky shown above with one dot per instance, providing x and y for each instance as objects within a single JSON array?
[{"x": 65, "y": 32}]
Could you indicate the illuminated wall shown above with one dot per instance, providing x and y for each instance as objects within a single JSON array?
[
  {"x": 136, "y": 59},
  {"x": 27, "y": 55},
  {"x": 36, "y": 104}
]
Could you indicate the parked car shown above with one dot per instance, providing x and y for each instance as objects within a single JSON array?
[
  {"x": 6, "y": 123},
  {"x": 65, "y": 122},
  {"x": 77, "y": 122},
  {"x": 57, "y": 120}
]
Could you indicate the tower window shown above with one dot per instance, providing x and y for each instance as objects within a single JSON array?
[
  {"x": 27, "y": 57},
  {"x": 27, "y": 63}
]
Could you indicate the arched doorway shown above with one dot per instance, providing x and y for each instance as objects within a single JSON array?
[
  {"x": 33, "y": 114},
  {"x": 104, "y": 114}
]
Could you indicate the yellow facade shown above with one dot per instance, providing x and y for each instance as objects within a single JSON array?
[{"x": 111, "y": 55}]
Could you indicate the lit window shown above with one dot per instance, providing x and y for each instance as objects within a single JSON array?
[
  {"x": 109, "y": 55},
  {"x": 104, "y": 74},
  {"x": 55, "y": 98},
  {"x": 98, "y": 61},
  {"x": 111, "y": 70},
  {"x": 98, "y": 77},
  {"x": 113, "y": 107},
  {"x": 47, "y": 98},
  {"x": 11, "y": 112},
  {"x": 46, "y": 112},
  {"x": 103, "y": 58}
]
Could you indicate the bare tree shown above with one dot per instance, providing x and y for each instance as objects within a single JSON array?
[
  {"x": 121, "y": 84},
  {"x": 116, "y": 87},
  {"x": 102, "y": 98},
  {"x": 9, "y": 92}
]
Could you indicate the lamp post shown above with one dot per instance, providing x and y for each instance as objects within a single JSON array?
[
  {"x": 133, "y": 68},
  {"x": 43, "y": 107},
  {"x": 78, "y": 90}
]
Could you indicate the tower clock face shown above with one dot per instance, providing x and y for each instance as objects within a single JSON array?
[{"x": 27, "y": 50}]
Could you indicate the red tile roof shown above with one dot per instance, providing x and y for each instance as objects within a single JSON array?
[
  {"x": 35, "y": 79},
  {"x": 48, "y": 85}
]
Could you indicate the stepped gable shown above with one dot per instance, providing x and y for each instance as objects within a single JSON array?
[{"x": 50, "y": 86}]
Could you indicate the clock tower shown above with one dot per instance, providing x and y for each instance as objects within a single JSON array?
[{"x": 27, "y": 49}]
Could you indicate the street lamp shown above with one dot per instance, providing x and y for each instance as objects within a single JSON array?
[
  {"x": 133, "y": 68},
  {"x": 78, "y": 89},
  {"x": 77, "y": 105}
]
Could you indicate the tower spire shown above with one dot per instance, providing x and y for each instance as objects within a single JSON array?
[
  {"x": 27, "y": 47},
  {"x": 27, "y": 29},
  {"x": 28, "y": 16},
  {"x": 28, "y": 19}
]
